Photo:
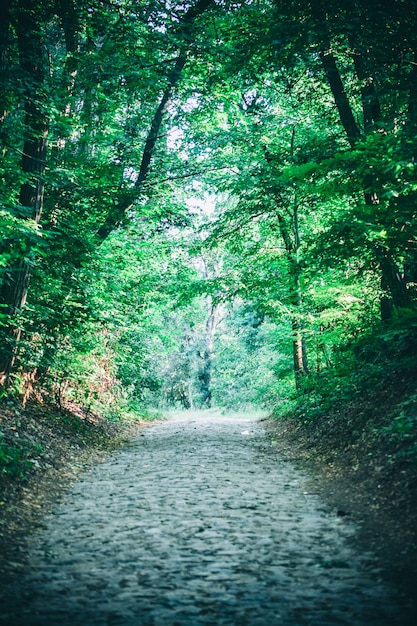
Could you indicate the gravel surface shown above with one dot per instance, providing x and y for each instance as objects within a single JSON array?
[{"x": 198, "y": 522}]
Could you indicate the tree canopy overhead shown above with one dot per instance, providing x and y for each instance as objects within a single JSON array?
[{"x": 205, "y": 202}]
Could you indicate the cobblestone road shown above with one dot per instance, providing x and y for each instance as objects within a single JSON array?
[{"x": 196, "y": 523}]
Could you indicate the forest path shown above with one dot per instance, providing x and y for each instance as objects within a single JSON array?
[{"x": 196, "y": 522}]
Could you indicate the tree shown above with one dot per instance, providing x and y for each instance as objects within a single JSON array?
[
  {"x": 299, "y": 118},
  {"x": 34, "y": 22},
  {"x": 366, "y": 43},
  {"x": 27, "y": 17}
]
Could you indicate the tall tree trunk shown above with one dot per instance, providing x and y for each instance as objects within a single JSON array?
[
  {"x": 298, "y": 339},
  {"x": 204, "y": 375},
  {"x": 392, "y": 281},
  {"x": 299, "y": 353},
  {"x": 290, "y": 235},
  {"x": 190, "y": 395},
  {"x": 393, "y": 284},
  {"x": 33, "y": 64},
  {"x": 411, "y": 124},
  {"x": 291, "y": 239},
  {"x": 371, "y": 107},
  {"x": 339, "y": 94},
  {"x": 334, "y": 79},
  {"x": 4, "y": 46}
]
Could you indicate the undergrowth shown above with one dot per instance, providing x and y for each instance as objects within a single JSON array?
[
  {"x": 368, "y": 397},
  {"x": 16, "y": 460}
]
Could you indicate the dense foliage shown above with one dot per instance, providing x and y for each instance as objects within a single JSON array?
[{"x": 208, "y": 202}]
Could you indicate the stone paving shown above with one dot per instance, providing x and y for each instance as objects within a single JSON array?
[{"x": 197, "y": 523}]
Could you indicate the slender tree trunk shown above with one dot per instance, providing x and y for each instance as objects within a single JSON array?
[
  {"x": 292, "y": 245},
  {"x": 118, "y": 214},
  {"x": 393, "y": 284},
  {"x": 190, "y": 395},
  {"x": 371, "y": 107},
  {"x": 4, "y": 46},
  {"x": 299, "y": 353},
  {"x": 334, "y": 79},
  {"x": 411, "y": 125},
  {"x": 299, "y": 343},
  {"x": 33, "y": 63},
  {"x": 68, "y": 13},
  {"x": 339, "y": 94},
  {"x": 410, "y": 153},
  {"x": 392, "y": 281},
  {"x": 291, "y": 238},
  {"x": 205, "y": 373}
]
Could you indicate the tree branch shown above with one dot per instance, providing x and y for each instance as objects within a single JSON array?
[{"x": 118, "y": 214}]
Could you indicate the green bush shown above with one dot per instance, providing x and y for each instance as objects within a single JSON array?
[{"x": 15, "y": 460}]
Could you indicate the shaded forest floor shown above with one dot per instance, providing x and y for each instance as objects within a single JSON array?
[
  {"x": 356, "y": 434},
  {"x": 362, "y": 471},
  {"x": 42, "y": 450}
]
